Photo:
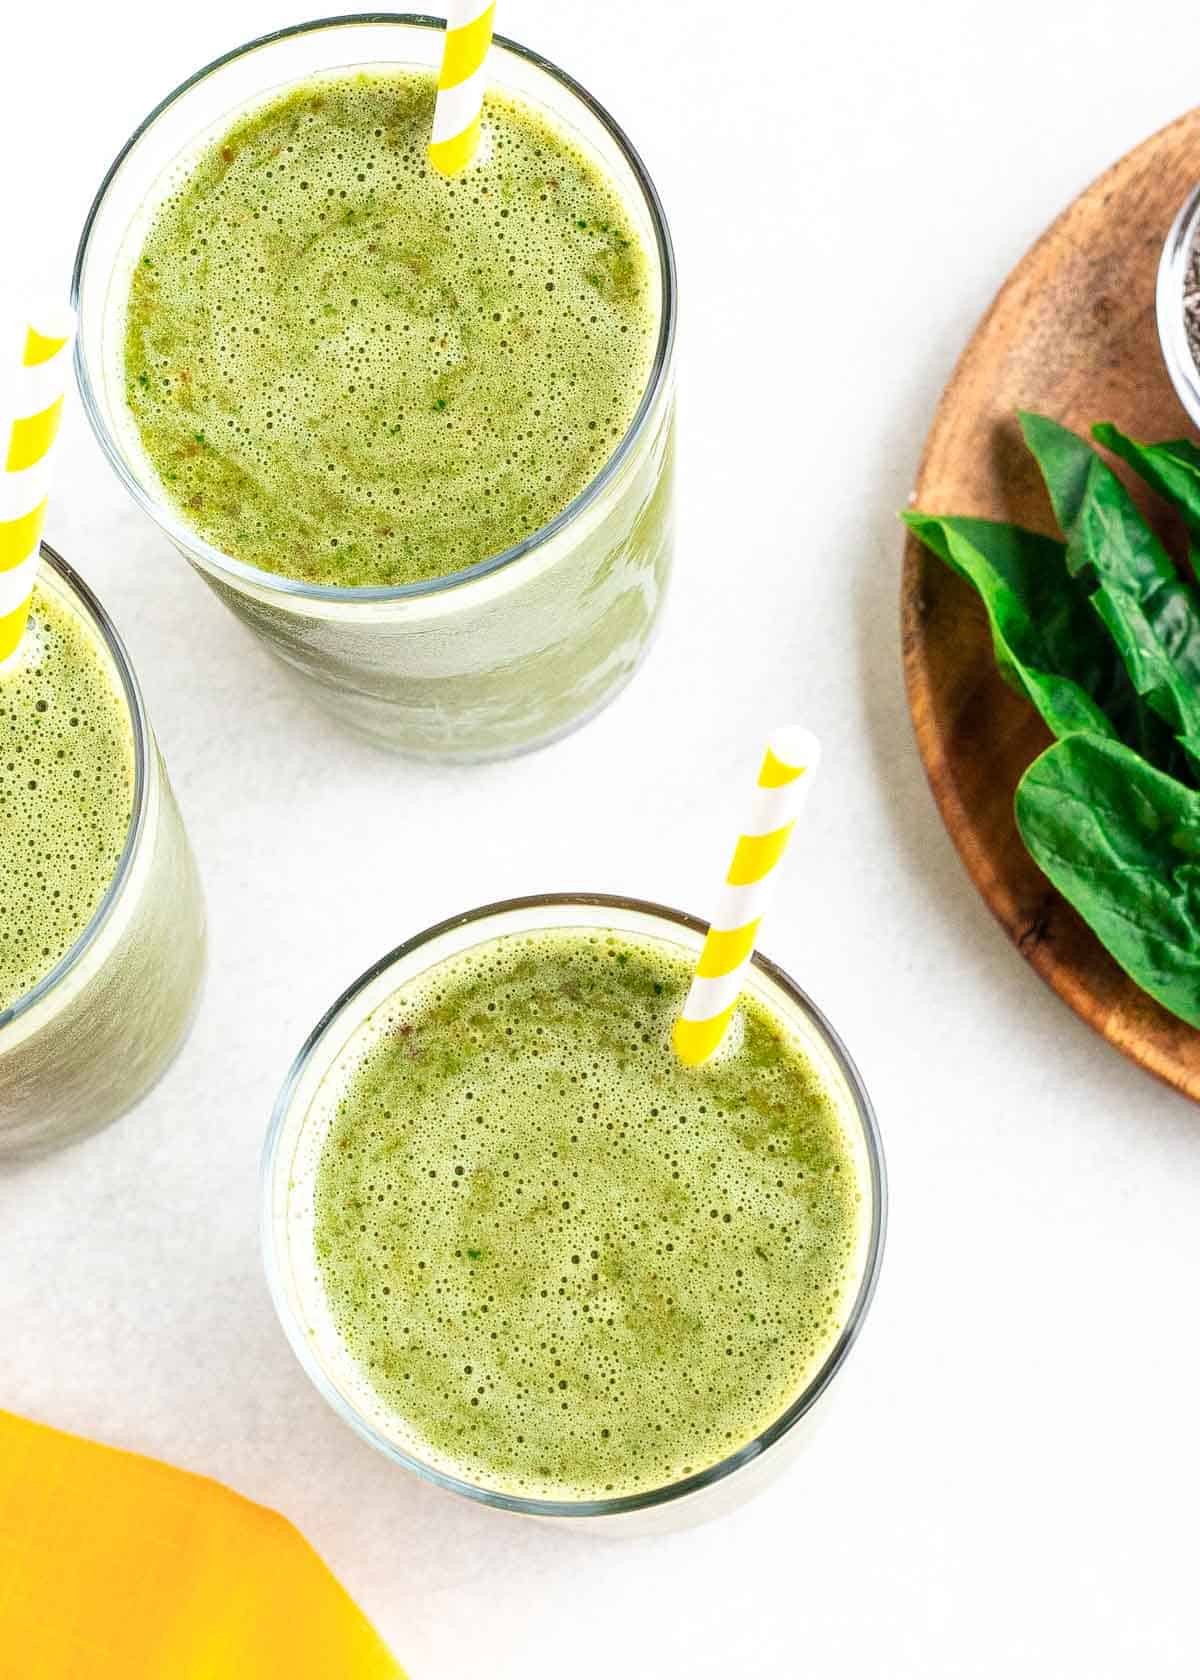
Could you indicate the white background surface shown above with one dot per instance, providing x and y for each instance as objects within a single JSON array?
[{"x": 1009, "y": 1482}]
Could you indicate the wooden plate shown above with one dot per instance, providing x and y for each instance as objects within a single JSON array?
[{"x": 1071, "y": 334}]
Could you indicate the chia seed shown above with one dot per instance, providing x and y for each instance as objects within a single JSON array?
[{"x": 1191, "y": 302}]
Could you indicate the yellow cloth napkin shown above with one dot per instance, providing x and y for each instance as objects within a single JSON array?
[{"x": 117, "y": 1567}]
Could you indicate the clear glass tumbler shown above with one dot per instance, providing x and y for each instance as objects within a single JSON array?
[
  {"x": 97, "y": 1031},
  {"x": 502, "y": 656},
  {"x": 303, "y": 1113}
]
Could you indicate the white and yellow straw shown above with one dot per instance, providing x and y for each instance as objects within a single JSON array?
[
  {"x": 788, "y": 768},
  {"x": 456, "y": 116},
  {"x": 34, "y": 391}
]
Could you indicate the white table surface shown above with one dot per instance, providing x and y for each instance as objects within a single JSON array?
[{"x": 1008, "y": 1484}]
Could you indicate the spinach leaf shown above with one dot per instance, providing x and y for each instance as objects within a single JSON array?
[
  {"x": 1121, "y": 842},
  {"x": 1173, "y": 469},
  {"x": 1048, "y": 642},
  {"x": 1147, "y": 609},
  {"x": 1047, "y": 645}
]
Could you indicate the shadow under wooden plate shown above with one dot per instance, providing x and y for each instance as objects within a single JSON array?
[{"x": 1072, "y": 334}]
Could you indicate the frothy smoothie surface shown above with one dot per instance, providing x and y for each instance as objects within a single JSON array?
[
  {"x": 348, "y": 370},
  {"x": 572, "y": 1266},
  {"x": 66, "y": 791}
]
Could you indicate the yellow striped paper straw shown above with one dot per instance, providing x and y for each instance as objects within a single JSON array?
[
  {"x": 788, "y": 768},
  {"x": 34, "y": 393},
  {"x": 456, "y": 116}
]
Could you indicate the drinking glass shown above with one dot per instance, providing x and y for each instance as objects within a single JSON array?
[
  {"x": 299, "y": 1125},
  {"x": 504, "y": 655},
  {"x": 96, "y": 1032}
]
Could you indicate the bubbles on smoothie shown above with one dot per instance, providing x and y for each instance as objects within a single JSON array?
[
  {"x": 66, "y": 793},
  {"x": 571, "y": 1264},
  {"x": 347, "y": 369}
]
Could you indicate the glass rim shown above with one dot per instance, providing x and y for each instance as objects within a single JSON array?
[
  {"x": 140, "y": 728},
  {"x": 1168, "y": 305},
  {"x": 625, "y": 1503},
  {"x": 238, "y": 571}
]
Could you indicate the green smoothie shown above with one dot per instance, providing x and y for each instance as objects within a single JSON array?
[
  {"x": 347, "y": 370},
  {"x": 565, "y": 1263},
  {"x": 66, "y": 791}
]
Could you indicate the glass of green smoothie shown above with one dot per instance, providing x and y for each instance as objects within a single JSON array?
[
  {"x": 416, "y": 432},
  {"x": 101, "y": 913},
  {"x": 530, "y": 1255}
]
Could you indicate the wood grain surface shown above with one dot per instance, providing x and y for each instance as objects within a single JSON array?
[{"x": 1071, "y": 334}]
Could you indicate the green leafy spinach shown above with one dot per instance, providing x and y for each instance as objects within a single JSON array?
[
  {"x": 1048, "y": 645},
  {"x": 1121, "y": 842},
  {"x": 1102, "y": 634},
  {"x": 1146, "y": 607}
]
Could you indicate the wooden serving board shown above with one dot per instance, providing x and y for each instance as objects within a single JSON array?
[{"x": 1071, "y": 334}]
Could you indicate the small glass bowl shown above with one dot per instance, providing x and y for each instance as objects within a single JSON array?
[{"x": 1172, "y": 323}]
